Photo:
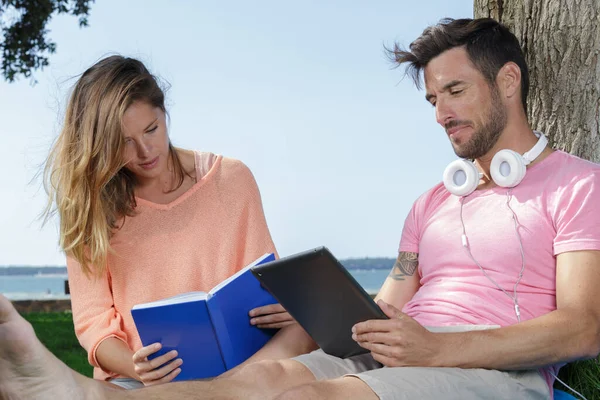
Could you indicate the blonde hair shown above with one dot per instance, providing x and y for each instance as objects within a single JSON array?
[{"x": 84, "y": 175}]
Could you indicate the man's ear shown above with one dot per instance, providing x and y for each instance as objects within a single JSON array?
[{"x": 509, "y": 80}]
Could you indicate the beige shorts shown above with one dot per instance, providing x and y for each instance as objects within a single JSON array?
[
  {"x": 429, "y": 383},
  {"x": 127, "y": 383}
]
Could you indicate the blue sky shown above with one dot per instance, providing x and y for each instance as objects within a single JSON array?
[{"x": 339, "y": 143}]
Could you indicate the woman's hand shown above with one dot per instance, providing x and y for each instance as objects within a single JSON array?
[
  {"x": 158, "y": 370},
  {"x": 271, "y": 316}
]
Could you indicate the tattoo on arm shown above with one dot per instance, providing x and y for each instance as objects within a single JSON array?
[{"x": 406, "y": 265}]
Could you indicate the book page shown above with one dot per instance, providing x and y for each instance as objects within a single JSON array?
[{"x": 180, "y": 298}]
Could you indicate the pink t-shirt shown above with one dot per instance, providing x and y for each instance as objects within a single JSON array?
[{"x": 556, "y": 207}]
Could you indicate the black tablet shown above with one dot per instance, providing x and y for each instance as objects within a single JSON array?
[{"x": 316, "y": 289}]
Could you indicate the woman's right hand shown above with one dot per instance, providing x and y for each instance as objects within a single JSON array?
[{"x": 158, "y": 370}]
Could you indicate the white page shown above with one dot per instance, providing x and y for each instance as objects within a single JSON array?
[{"x": 180, "y": 298}]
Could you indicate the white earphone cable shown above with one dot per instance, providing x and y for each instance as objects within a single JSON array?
[
  {"x": 466, "y": 246},
  {"x": 570, "y": 388},
  {"x": 514, "y": 297},
  {"x": 514, "y": 216}
]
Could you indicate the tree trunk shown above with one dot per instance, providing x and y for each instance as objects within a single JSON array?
[{"x": 561, "y": 41}]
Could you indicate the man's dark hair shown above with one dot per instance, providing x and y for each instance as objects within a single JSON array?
[{"x": 488, "y": 43}]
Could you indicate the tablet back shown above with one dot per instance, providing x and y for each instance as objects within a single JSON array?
[{"x": 316, "y": 289}]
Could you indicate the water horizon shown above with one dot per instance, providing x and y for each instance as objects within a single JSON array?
[{"x": 52, "y": 286}]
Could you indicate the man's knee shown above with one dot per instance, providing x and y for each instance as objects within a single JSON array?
[
  {"x": 340, "y": 388},
  {"x": 261, "y": 370},
  {"x": 313, "y": 391},
  {"x": 270, "y": 373}
]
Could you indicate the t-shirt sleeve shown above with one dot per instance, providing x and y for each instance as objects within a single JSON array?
[
  {"x": 94, "y": 316},
  {"x": 576, "y": 214},
  {"x": 409, "y": 241},
  {"x": 413, "y": 225}
]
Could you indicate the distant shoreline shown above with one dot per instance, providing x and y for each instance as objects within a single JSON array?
[
  {"x": 350, "y": 263},
  {"x": 32, "y": 271}
]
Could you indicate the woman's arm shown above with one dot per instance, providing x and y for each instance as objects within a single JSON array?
[
  {"x": 95, "y": 319},
  {"x": 114, "y": 355}
]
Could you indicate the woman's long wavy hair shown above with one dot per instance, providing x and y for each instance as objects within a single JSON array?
[{"x": 84, "y": 176}]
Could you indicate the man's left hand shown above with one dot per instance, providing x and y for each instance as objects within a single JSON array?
[{"x": 399, "y": 341}]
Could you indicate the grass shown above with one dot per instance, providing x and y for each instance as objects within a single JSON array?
[
  {"x": 55, "y": 331},
  {"x": 583, "y": 376}
]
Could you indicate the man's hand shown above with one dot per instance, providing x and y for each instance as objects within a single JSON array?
[
  {"x": 271, "y": 316},
  {"x": 399, "y": 341}
]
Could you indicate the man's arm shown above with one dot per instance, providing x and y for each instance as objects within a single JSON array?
[
  {"x": 570, "y": 332},
  {"x": 402, "y": 282}
]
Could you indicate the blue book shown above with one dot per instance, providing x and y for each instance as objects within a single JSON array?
[{"x": 210, "y": 331}]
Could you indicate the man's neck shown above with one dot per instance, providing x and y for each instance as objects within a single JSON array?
[{"x": 517, "y": 137}]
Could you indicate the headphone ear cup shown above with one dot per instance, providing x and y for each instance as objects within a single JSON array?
[
  {"x": 461, "y": 177},
  {"x": 508, "y": 168}
]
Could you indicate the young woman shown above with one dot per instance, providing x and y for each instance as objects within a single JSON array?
[{"x": 142, "y": 220}]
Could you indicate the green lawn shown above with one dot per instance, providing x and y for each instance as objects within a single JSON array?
[
  {"x": 583, "y": 376},
  {"x": 55, "y": 330}
]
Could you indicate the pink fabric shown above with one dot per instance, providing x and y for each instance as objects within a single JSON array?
[
  {"x": 556, "y": 206},
  {"x": 206, "y": 235}
]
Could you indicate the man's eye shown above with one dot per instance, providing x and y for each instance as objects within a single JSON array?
[
  {"x": 153, "y": 129},
  {"x": 455, "y": 92}
]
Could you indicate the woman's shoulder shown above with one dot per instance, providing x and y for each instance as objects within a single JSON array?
[
  {"x": 231, "y": 166},
  {"x": 226, "y": 168},
  {"x": 204, "y": 162}
]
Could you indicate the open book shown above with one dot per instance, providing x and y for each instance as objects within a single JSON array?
[{"x": 210, "y": 331}]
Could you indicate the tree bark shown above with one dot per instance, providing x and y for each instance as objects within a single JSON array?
[{"x": 561, "y": 41}]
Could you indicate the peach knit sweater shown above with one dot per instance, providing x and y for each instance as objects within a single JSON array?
[{"x": 213, "y": 230}]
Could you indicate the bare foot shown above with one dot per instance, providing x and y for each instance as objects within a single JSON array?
[{"x": 28, "y": 370}]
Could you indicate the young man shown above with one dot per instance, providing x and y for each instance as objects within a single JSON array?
[{"x": 506, "y": 273}]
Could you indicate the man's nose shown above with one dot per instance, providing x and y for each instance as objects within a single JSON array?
[{"x": 443, "y": 113}]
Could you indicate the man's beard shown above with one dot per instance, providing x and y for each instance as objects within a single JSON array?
[{"x": 485, "y": 138}]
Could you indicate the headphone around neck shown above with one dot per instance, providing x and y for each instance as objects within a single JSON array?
[{"x": 508, "y": 169}]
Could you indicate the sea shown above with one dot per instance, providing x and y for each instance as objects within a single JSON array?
[{"x": 52, "y": 286}]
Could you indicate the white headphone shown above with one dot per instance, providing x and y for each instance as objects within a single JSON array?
[{"x": 508, "y": 169}]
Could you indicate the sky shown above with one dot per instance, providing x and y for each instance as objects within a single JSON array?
[{"x": 339, "y": 142}]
